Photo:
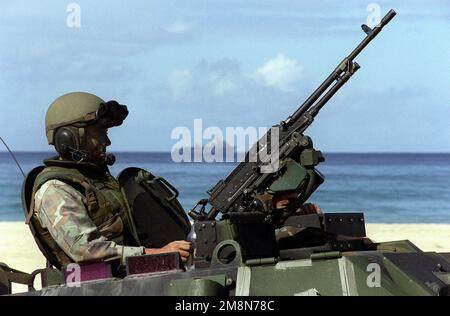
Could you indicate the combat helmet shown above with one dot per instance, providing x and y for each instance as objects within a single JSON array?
[{"x": 70, "y": 113}]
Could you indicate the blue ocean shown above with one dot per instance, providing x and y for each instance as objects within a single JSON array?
[{"x": 388, "y": 188}]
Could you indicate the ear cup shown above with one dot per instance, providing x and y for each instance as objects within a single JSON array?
[{"x": 66, "y": 138}]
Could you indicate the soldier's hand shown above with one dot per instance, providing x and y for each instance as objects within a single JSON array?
[
  {"x": 310, "y": 208},
  {"x": 181, "y": 246},
  {"x": 184, "y": 248}
]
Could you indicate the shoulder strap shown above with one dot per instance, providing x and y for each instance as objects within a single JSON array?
[{"x": 92, "y": 199}]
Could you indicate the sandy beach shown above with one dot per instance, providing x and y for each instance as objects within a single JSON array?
[{"x": 18, "y": 248}]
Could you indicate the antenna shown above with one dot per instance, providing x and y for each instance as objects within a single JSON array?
[{"x": 14, "y": 157}]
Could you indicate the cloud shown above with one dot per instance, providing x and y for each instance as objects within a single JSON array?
[
  {"x": 37, "y": 45},
  {"x": 282, "y": 73},
  {"x": 358, "y": 118},
  {"x": 147, "y": 55},
  {"x": 223, "y": 94},
  {"x": 299, "y": 19},
  {"x": 213, "y": 78},
  {"x": 226, "y": 77},
  {"x": 220, "y": 92}
]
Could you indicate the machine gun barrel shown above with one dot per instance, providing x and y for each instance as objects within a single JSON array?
[{"x": 371, "y": 34}]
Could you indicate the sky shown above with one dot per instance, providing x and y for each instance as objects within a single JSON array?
[{"x": 230, "y": 63}]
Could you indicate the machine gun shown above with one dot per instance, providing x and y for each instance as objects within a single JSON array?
[
  {"x": 250, "y": 187},
  {"x": 247, "y": 197}
]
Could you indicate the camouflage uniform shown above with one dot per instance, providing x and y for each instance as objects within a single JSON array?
[{"x": 60, "y": 209}]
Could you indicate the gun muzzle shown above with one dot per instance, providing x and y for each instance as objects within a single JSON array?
[{"x": 387, "y": 18}]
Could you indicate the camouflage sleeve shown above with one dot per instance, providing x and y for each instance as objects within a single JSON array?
[{"x": 61, "y": 210}]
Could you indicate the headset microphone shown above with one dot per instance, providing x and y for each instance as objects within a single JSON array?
[
  {"x": 78, "y": 155},
  {"x": 110, "y": 159},
  {"x": 84, "y": 156}
]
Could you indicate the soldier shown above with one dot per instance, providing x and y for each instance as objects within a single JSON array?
[{"x": 79, "y": 207}]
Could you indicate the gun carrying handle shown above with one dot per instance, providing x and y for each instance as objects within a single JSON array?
[{"x": 168, "y": 186}]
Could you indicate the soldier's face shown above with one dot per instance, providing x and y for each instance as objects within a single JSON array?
[{"x": 96, "y": 141}]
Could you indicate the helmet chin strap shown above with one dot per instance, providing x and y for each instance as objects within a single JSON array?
[{"x": 79, "y": 155}]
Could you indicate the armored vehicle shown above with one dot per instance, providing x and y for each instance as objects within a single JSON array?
[{"x": 255, "y": 248}]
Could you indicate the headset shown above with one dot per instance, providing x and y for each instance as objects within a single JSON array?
[{"x": 69, "y": 141}]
